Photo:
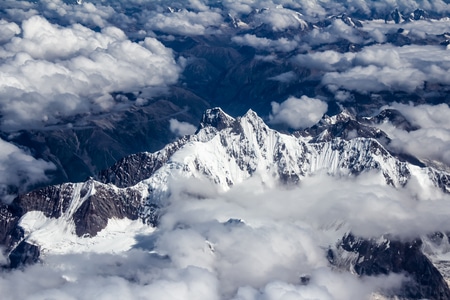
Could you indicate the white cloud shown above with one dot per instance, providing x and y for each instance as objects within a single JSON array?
[
  {"x": 202, "y": 251},
  {"x": 181, "y": 128},
  {"x": 184, "y": 22},
  {"x": 327, "y": 286},
  {"x": 431, "y": 142},
  {"x": 378, "y": 36},
  {"x": 198, "y": 5},
  {"x": 282, "y": 44},
  {"x": 336, "y": 31},
  {"x": 280, "y": 19},
  {"x": 284, "y": 231},
  {"x": 298, "y": 113},
  {"x": 8, "y": 30},
  {"x": 90, "y": 14},
  {"x": 381, "y": 67},
  {"x": 133, "y": 275},
  {"x": 51, "y": 72},
  {"x": 327, "y": 60},
  {"x": 432, "y": 27},
  {"x": 343, "y": 96},
  {"x": 19, "y": 169},
  {"x": 381, "y": 57},
  {"x": 376, "y": 79},
  {"x": 202, "y": 256}
]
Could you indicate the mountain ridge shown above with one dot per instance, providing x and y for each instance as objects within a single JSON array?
[{"x": 225, "y": 151}]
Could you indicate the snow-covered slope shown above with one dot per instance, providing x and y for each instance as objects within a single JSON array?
[{"x": 228, "y": 151}]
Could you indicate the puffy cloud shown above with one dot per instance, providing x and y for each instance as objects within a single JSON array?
[
  {"x": 8, "y": 30},
  {"x": 87, "y": 13},
  {"x": 133, "y": 275},
  {"x": 313, "y": 10},
  {"x": 381, "y": 57},
  {"x": 378, "y": 36},
  {"x": 198, "y": 5},
  {"x": 282, "y": 44},
  {"x": 431, "y": 141},
  {"x": 251, "y": 242},
  {"x": 65, "y": 12},
  {"x": 327, "y": 60},
  {"x": 365, "y": 205},
  {"x": 343, "y": 96},
  {"x": 46, "y": 41},
  {"x": 327, "y": 286},
  {"x": 181, "y": 128},
  {"x": 298, "y": 113},
  {"x": 52, "y": 72},
  {"x": 331, "y": 34},
  {"x": 239, "y": 7},
  {"x": 376, "y": 79},
  {"x": 184, "y": 22},
  {"x": 380, "y": 67},
  {"x": 421, "y": 27},
  {"x": 280, "y": 18},
  {"x": 19, "y": 170},
  {"x": 256, "y": 238}
]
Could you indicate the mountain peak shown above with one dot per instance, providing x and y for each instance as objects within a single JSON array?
[
  {"x": 217, "y": 118},
  {"x": 395, "y": 117},
  {"x": 256, "y": 122},
  {"x": 343, "y": 116},
  {"x": 252, "y": 116}
]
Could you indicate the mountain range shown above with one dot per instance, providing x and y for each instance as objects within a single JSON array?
[{"x": 226, "y": 152}]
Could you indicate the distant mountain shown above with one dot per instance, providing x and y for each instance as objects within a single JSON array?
[{"x": 225, "y": 151}]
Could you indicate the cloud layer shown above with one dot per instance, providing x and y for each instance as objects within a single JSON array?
[{"x": 252, "y": 242}]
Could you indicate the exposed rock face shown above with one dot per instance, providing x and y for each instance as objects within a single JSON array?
[
  {"x": 87, "y": 205},
  {"x": 53, "y": 201},
  {"x": 137, "y": 167},
  {"x": 442, "y": 180},
  {"x": 216, "y": 118},
  {"x": 395, "y": 16},
  {"x": 24, "y": 254},
  {"x": 10, "y": 232},
  {"x": 372, "y": 258},
  {"x": 106, "y": 203},
  {"x": 395, "y": 118}
]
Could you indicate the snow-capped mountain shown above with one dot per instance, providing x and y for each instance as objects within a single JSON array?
[{"x": 225, "y": 151}]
